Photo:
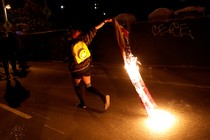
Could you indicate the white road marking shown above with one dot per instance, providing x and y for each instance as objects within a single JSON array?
[
  {"x": 15, "y": 111},
  {"x": 41, "y": 115},
  {"x": 54, "y": 129}
]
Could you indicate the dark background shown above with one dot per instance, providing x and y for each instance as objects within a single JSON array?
[
  {"x": 152, "y": 50},
  {"x": 83, "y": 10}
]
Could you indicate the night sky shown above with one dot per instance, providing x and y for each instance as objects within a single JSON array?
[
  {"x": 84, "y": 9},
  {"x": 86, "y": 12}
]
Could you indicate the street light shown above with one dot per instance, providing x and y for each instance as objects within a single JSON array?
[
  {"x": 5, "y": 10},
  {"x": 7, "y": 24},
  {"x": 8, "y": 6}
]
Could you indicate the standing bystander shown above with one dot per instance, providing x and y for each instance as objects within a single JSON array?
[{"x": 9, "y": 51}]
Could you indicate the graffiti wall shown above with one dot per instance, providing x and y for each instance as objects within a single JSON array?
[{"x": 175, "y": 42}]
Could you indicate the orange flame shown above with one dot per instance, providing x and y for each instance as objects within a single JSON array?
[{"x": 132, "y": 68}]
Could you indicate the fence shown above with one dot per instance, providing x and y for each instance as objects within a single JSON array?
[{"x": 174, "y": 42}]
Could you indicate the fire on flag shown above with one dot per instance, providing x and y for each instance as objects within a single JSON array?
[{"x": 131, "y": 65}]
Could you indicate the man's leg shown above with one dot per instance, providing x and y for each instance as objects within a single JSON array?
[
  {"x": 14, "y": 67},
  {"x": 5, "y": 63}
]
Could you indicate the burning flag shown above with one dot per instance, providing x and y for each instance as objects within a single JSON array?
[{"x": 131, "y": 65}]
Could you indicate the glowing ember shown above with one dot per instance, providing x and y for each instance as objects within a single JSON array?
[{"x": 160, "y": 120}]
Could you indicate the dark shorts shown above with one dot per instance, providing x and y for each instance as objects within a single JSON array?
[{"x": 80, "y": 74}]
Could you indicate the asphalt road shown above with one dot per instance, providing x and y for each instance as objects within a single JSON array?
[{"x": 42, "y": 106}]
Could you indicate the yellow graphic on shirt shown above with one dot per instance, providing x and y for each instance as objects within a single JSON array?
[{"x": 80, "y": 52}]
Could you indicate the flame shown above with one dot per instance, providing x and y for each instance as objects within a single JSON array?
[
  {"x": 132, "y": 68},
  {"x": 131, "y": 65},
  {"x": 160, "y": 120}
]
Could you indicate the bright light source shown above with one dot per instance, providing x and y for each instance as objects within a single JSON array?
[
  {"x": 62, "y": 7},
  {"x": 132, "y": 68},
  {"x": 104, "y": 13},
  {"x": 131, "y": 65},
  {"x": 96, "y": 6},
  {"x": 8, "y": 6},
  {"x": 160, "y": 120}
]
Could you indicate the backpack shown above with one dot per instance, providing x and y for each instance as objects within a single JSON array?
[{"x": 80, "y": 51}]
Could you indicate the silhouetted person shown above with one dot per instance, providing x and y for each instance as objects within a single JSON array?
[{"x": 9, "y": 51}]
